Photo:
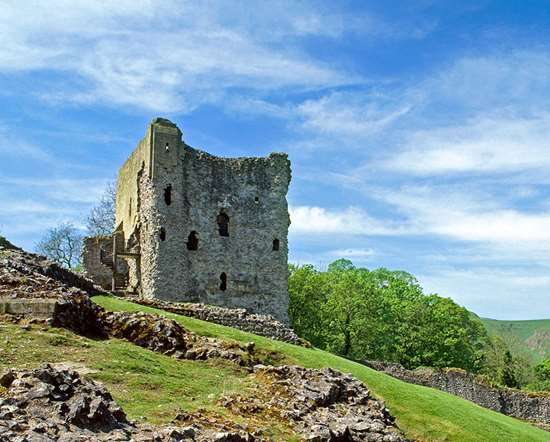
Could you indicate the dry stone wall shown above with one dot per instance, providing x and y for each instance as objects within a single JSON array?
[
  {"x": 524, "y": 405},
  {"x": 263, "y": 325}
]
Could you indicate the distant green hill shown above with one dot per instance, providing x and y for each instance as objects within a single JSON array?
[{"x": 531, "y": 337}]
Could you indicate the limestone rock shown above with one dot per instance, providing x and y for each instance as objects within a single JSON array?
[
  {"x": 46, "y": 405},
  {"x": 169, "y": 337},
  {"x": 322, "y": 405}
]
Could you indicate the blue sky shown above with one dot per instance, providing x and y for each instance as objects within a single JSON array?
[{"x": 419, "y": 131}]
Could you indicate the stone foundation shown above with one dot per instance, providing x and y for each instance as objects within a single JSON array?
[{"x": 263, "y": 325}]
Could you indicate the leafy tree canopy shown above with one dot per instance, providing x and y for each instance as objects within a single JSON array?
[{"x": 384, "y": 315}]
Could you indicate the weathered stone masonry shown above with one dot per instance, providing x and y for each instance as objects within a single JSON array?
[
  {"x": 194, "y": 227},
  {"x": 521, "y": 404}
]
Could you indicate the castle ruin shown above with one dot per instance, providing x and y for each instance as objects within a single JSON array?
[{"x": 193, "y": 227}]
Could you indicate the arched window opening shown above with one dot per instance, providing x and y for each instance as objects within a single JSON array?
[
  {"x": 193, "y": 241},
  {"x": 276, "y": 244},
  {"x": 223, "y": 282},
  {"x": 257, "y": 199},
  {"x": 162, "y": 234},
  {"x": 167, "y": 147},
  {"x": 168, "y": 195},
  {"x": 223, "y": 224}
]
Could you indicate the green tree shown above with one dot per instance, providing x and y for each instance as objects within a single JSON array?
[
  {"x": 340, "y": 265},
  {"x": 382, "y": 314},
  {"x": 542, "y": 370},
  {"x": 308, "y": 293},
  {"x": 508, "y": 376}
]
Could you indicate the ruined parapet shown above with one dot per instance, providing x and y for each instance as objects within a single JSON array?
[
  {"x": 96, "y": 251},
  {"x": 98, "y": 262},
  {"x": 201, "y": 228}
]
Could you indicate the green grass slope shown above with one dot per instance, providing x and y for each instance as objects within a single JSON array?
[
  {"x": 423, "y": 413},
  {"x": 149, "y": 386},
  {"x": 532, "y": 336}
]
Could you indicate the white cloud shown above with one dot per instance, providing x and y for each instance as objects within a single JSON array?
[
  {"x": 499, "y": 81},
  {"x": 168, "y": 57},
  {"x": 14, "y": 146},
  {"x": 465, "y": 214},
  {"x": 347, "y": 221},
  {"x": 482, "y": 145},
  {"x": 350, "y": 114},
  {"x": 57, "y": 190}
]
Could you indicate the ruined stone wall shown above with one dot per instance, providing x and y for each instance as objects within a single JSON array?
[
  {"x": 127, "y": 201},
  {"x": 92, "y": 251},
  {"x": 524, "y": 405},
  {"x": 263, "y": 325},
  {"x": 185, "y": 190}
]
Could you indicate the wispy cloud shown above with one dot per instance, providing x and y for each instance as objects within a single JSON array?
[
  {"x": 481, "y": 145},
  {"x": 170, "y": 57},
  {"x": 65, "y": 190},
  {"x": 350, "y": 115},
  {"x": 348, "y": 221},
  {"x": 17, "y": 147},
  {"x": 465, "y": 214}
]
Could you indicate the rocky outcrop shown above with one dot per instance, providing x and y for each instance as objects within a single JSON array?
[
  {"x": 171, "y": 338},
  {"x": 240, "y": 318},
  {"x": 320, "y": 405},
  {"x": 524, "y": 405},
  {"x": 25, "y": 275},
  {"x": 31, "y": 285},
  {"x": 47, "y": 405}
]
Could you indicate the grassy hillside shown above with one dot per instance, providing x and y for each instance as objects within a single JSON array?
[
  {"x": 423, "y": 413},
  {"x": 530, "y": 336},
  {"x": 155, "y": 387}
]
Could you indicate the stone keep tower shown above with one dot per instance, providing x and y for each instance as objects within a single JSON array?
[{"x": 193, "y": 227}]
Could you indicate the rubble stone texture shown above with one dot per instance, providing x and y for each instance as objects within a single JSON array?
[
  {"x": 167, "y": 336},
  {"x": 321, "y": 405},
  {"x": 33, "y": 286},
  {"x": 263, "y": 325},
  {"x": 47, "y": 405},
  {"x": 27, "y": 292},
  {"x": 194, "y": 227},
  {"x": 531, "y": 406}
]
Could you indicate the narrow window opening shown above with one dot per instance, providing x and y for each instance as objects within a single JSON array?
[
  {"x": 257, "y": 199},
  {"x": 223, "y": 224},
  {"x": 167, "y": 147},
  {"x": 162, "y": 234},
  {"x": 168, "y": 195},
  {"x": 276, "y": 244},
  {"x": 193, "y": 241},
  {"x": 223, "y": 282}
]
